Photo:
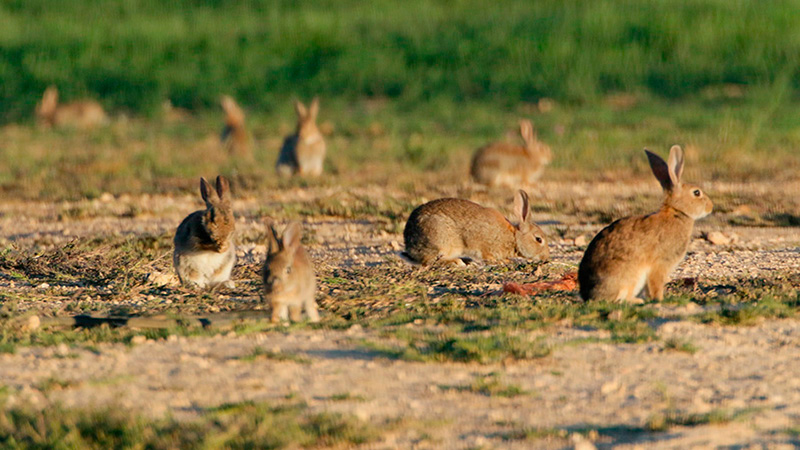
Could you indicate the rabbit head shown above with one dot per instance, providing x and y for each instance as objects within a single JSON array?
[
  {"x": 218, "y": 218},
  {"x": 529, "y": 238},
  {"x": 686, "y": 198},
  {"x": 307, "y": 119},
  {"x": 534, "y": 147}
]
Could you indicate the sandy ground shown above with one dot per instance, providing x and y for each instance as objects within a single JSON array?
[{"x": 615, "y": 388}]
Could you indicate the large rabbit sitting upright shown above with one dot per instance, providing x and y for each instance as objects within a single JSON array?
[
  {"x": 204, "y": 249},
  {"x": 303, "y": 153},
  {"x": 458, "y": 231},
  {"x": 78, "y": 114},
  {"x": 505, "y": 164},
  {"x": 640, "y": 251}
]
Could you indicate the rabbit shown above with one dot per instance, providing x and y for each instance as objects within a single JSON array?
[
  {"x": 288, "y": 274},
  {"x": 459, "y": 231},
  {"x": 234, "y": 136},
  {"x": 82, "y": 114},
  {"x": 508, "y": 165},
  {"x": 205, "y": 252},
  {"x": 303, "y": 152},
  {"x": 640, "y": 251}
]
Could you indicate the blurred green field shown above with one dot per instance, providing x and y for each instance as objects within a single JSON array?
[
  {"x": 131, "y": 55},
  {"x": 419, "y": 83}
]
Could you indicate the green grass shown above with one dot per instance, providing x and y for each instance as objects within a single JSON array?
[
  {"x": 237, "y": 426},
  {"x": 489, "y": 385},
  {"x": 673, "y": 418},
  {"x": 137, "y": 54},
  {"x": 680, "y": 345},
  {"x": 259, "y": 353}
]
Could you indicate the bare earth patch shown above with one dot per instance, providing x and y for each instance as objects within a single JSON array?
[{"x": 715, "y": 365}]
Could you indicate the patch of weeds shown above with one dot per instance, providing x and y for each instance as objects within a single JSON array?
[
  {"x": 54, "y": 384},
  {"x": 346, "y": 396},
  {"x": 525, "y": 433},
  {"x": 440, "y": 347},
  {"x": 241, "y": 425},
  {"x": 673, "y": 418},
  {"x": 750, "y": 313},
  {"x": 489, "y": 385},
  {"x": 260, "y": 353},
  {"x": 680, "y": 345}
]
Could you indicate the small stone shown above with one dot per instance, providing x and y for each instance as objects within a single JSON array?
[
  {"x": 138, "y": 339},
  {"x": 33, "y": 323},
  {"x": 580, "y": 241},
  {"x": 396, "y": 246},
  {"x": 106, "y": 197},
  {"x": 43, "y": 286},
  {"x": 718, "y": 238}
]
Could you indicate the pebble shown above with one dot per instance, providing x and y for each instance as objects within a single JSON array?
[{"x": 718, "y": 238}]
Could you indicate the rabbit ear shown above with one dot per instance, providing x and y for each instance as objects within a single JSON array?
[
  {"x": 526, "y": 130},
  {"x": 207, "y": 192},
  {"x": 302, "y": 112},
  {"x": 675, "y": 163},
  {"x": 313, "y": 109},
  {"x": 223, "y": 188},
  {"x": 521, "y": 207},
  {"x": 273, "y": 243},
  {"x": 292, "y": 235},
  {"x": 660, "y": 169}
]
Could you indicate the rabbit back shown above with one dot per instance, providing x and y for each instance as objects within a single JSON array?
[
  {"x": 453, "y": 229},
  {"x": 505, "y": 164}
]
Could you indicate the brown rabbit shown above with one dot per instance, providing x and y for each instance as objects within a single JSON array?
[
  {"x": 204, "y": 249},
  {"x": 459, "y": 231},
  {"x": 82, "y": 114},
  {"x": 505, "y": 164},
  {"x": 303, "y": 153},
  {"x": 640, "y": 251},
  {"x": 288, "y": 275},
  {"x": 234, "y": 136}
]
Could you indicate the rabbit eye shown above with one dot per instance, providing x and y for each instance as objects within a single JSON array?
[
  {"x": 539, "y": 240},
  {"x": 697, "y": 193},
  {"x": 289, "y": 269}
]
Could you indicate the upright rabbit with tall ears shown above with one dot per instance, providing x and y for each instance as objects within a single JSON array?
[
  {"x": 205, "y": 253},
  {"x": 288, "y": 275},
  {"x": 505, "y": 164},
  {"x": 234, "y": 135},
  {"x": 642, "y": 251},
  {"x": 303, "y": 153},
  {"x": 458, "y": 231}
]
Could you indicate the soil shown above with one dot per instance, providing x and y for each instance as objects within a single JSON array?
[{"x": 616, "y": 389}]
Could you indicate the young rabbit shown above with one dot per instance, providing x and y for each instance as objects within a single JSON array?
[
  {"x": 234, "y": 136},
  {"x": 458, "y": 231},
  {"x": 80, "y": 114},
  {"x": 304, "y": 151},
  {"x": 505, "y": 164},
  {"x": 640, "y": 251},
  {"x": 288, "y": 275},
  {"x": 204, "y": 249}
]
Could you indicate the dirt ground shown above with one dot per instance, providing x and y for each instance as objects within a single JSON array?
[{"x": 613, "y": 390}]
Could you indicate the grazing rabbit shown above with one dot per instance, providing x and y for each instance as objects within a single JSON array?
[
  {"x": 458, "y": 231},
  {"x": 505, "y": 164},
  {"x": 288, "y": 275},
  {"x": 204, "y": 249},
  {"x": 640, "y": 251},
  {"x": 234, "y": 136},
  {"x": 304, "y": 151},
  {"x": 82, "y": 114}
]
